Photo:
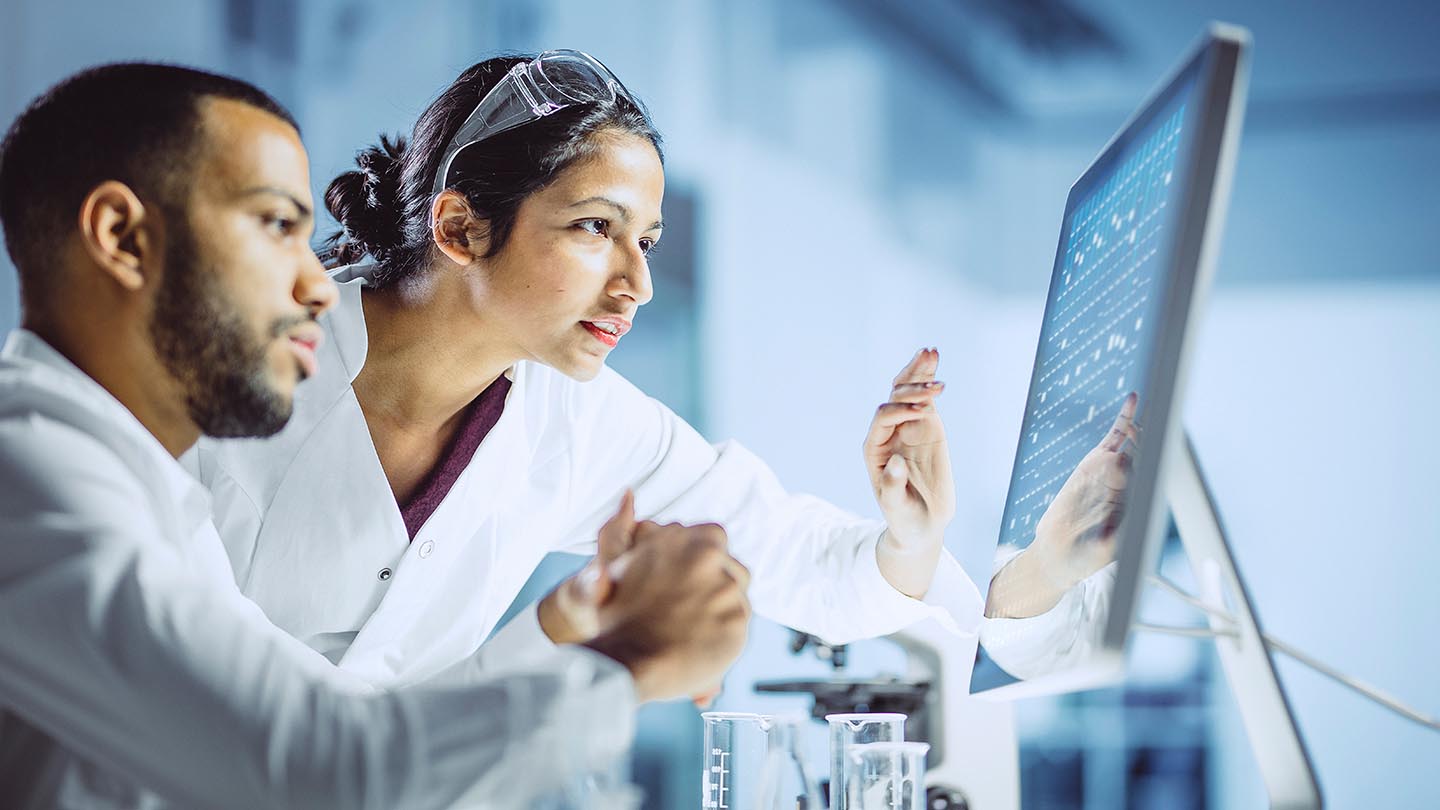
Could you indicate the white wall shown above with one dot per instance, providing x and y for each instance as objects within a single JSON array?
[{"x": 1313, "y": 413}]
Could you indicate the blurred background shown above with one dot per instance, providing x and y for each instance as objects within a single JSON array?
[{"x": 850, "y": 180}]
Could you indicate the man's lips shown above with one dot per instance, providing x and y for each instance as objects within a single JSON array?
[{"x": 304, "y": 344}]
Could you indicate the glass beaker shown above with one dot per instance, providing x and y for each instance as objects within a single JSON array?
[
  {"x": 886, "y": 776},
  {"x": 752, "y": 762},
  {"x": 849, "y": 730}
]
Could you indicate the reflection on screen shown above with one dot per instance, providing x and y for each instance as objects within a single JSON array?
[
  {"x": 1095, "y": 347},
  {"x": 1098, "y": 327}
]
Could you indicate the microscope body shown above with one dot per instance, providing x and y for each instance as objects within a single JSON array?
[{"x": 974, "y": 756}]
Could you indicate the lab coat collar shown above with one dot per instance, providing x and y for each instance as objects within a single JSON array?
[
  {"x": 330, "y": 435},
  {"x": 58, "y": 383},
  {"x": 347, "y": 318}
]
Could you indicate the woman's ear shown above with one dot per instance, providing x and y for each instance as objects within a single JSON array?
[
  {"x": 115, "y": 230},
  {"x": 454, "y": 227}
]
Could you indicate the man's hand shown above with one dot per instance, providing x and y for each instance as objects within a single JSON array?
[
  {"x": 677, "y": 614},
  {"x": 570, "y": 614},
  {"x": 908, "y": 461}
]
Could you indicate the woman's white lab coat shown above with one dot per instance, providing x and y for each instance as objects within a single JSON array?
[{"x": 316, "y": 537}]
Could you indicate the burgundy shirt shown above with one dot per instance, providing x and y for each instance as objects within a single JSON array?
[{"x": 480, "y": 416}]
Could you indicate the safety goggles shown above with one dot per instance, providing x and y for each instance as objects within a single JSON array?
[{"x": 530, "y": 91}]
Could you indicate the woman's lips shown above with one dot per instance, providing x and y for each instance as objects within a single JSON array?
[{"x": 601, "y": 335}]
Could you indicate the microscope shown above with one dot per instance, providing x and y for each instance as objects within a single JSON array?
[{"x": 974, "y": 759}]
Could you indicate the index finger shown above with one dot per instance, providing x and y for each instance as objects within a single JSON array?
[
  {"x": 737, "y": 572},
  {"x": 921, "y": 368},
  {"x": 644, "y": 531},
  {"x": 618, "y": 532},
  {"x": 1123, "y": 428}
]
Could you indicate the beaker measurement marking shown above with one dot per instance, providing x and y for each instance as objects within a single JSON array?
[{"x": 718, "y": 802}]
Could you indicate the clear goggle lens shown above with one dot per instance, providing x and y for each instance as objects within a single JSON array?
[{"x": 530, "y": 91}]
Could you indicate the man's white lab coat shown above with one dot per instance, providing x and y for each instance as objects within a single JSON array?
[
  {"x": 316, "y": 537},
  {"x": 133, "y": 672}
]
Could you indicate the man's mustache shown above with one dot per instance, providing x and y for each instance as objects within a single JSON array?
[{"x": 280, "y": 326}]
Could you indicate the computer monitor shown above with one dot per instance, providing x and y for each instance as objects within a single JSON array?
[{"x": 1086, "y": 507}]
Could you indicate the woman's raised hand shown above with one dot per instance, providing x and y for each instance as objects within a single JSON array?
[
  {"x": 1076, "y": 534},
  {"x": 908, "y": 460},
  {"x": 1075, "y": 537}
]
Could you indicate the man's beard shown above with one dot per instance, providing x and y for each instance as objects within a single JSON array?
[{"x": 205, "y": 343}]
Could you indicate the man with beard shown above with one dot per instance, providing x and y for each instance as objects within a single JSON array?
[{"x": 159, "y": 218}]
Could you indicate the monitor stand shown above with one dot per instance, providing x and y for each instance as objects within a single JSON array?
[
  {"x": 979, "y": 757},
  {"x": 989, "y": 775},
  {"x": 1269, "y": 724}
]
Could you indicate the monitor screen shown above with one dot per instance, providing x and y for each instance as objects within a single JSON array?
[{"x": 1108, "y": 349}]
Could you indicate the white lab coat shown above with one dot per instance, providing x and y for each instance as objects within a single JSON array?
[
  {"x": 310, "y": 521},
  {"x": 133, "y": 673},
  {"x": 1062, "y": 638}
]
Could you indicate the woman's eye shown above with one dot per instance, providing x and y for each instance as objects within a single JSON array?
[
  {"x": 599, "y": 227},
  {"x": 647, "y": 246},
  {"x": 279, "y": 225}
]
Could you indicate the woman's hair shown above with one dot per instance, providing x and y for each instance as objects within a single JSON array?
[{"x": 383, "y": 206}]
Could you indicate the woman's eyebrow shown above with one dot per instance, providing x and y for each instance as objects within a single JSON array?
[{"x": 621, "y": 210}]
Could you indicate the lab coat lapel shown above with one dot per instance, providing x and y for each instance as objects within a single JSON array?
[
  {"x": 413, "y": 615},
  {"x": 351, "y": 532}
]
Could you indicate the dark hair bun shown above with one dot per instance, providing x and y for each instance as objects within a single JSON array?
[{"x": 366, "y": 204}]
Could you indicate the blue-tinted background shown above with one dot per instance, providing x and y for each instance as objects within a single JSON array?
[{"x": 853, "y": 179}]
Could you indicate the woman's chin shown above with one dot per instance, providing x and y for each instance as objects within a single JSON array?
[
  {"x": 585, "y": 373},
  {"x": 580, "y": 369}
]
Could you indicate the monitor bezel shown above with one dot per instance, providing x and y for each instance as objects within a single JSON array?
[{"x": 1215, "y": 65}]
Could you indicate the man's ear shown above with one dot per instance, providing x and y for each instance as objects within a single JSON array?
[
  {"x": 116, "y": 231},
  {"x": 454, "y": 228}
]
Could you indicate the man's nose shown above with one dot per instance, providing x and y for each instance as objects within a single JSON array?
[{"x": 313, "y": 288}]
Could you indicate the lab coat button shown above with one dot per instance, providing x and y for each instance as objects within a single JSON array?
[
  {"x": 426, "y": 547},
  {"x": 384, "y": 574}
]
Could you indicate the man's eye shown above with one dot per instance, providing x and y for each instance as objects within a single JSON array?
[{"x": 599, "y": 227}]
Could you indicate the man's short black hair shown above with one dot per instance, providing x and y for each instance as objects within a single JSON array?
[{"x": 133, "y": 122}]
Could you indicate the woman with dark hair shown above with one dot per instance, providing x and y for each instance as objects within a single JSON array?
[{"x": 462, "y": 422}]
